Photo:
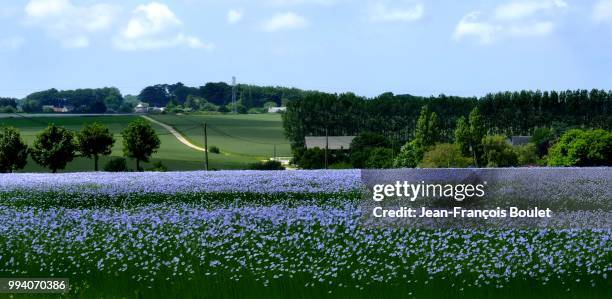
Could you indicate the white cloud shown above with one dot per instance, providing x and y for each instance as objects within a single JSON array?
[
  {"x": 149, "y": 26},
  {"x": 513, "y": 19},
  {"x": 285, "y": 21},
  {"x": 72, "y": 25},
  {"x": 234, "y": 16},
  {"x": 471, "y": 26},
  {"x": 602, "y": 12},
  {"x": 153, "y": 26},
  {"x": 382, "y": 12},
  {"x": 11, "y": 43},
  {"x": 523, "y": 9}
]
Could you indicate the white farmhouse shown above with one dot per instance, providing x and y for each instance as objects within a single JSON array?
[
  {"x": 277, "y": 109},
  {"x": 141, "y": 108}
]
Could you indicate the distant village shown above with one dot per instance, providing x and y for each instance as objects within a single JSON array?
[{"x": 141, "y": 108}]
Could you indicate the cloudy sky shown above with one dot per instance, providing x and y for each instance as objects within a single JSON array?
[{"x": 421, "y": 47}]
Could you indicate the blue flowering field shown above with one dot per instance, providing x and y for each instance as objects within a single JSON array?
[{"x": 248, "y": 234}]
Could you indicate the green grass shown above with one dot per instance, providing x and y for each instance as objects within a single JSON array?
[
  {"x": 235, "y": 153},
  {"x": 251, "y": 135}
]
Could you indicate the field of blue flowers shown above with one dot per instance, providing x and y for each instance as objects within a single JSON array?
[{"x": 251, "y": 234}]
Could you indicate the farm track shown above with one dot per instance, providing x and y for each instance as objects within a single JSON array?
[{"x": 176, "y": 134}]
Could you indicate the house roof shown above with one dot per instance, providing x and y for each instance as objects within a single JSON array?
[{"x": 334, "y": 142}]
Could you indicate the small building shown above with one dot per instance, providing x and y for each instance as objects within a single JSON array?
[
  {"x": 518, "y": 140},
  {"x": 333, "y": 142},
  {"x": 141, "y": 108},
  {"x": 157, "y": 109},
  {"x": 55, "y": 109},
  {"x": 60, "y": 109},
  {"x": 277, "y": 109}
]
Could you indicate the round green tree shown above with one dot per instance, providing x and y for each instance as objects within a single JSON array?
[
  {"x": 13, "y": 151},
  {"x": 95, "y": 140},
  {"x": 54, "y": 148},
  {"x": 140, "y": 141},
  {"x": 582, "y": 148},
  {"x": 498, "y": 152},
  {"x": 445, "y": 155}
]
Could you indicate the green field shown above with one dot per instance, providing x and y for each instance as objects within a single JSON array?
[
  {"x": 251, "y": 135},
  {"x": 237, "y": 150}
]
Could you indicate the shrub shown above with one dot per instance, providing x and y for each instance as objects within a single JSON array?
[
  {"x": 126, "y": 108},
  {"x": 209, "y": 107},
  {"x": 582, "y": 148},
  {"x": 116, "y": 165},
  {"x": 542, "y": 139},
  {"x": 379, "y": 158},
  {"x": 7, "y": 109},
  {"x": 158, "y": 166},
  {"x": 214, "y": 150},
  {"x": 241, "y": 109},
  {"x": 314, "y": 158},
  {"x": 363, "y": 144},
  {"x": 498, "y": 152},
  {"x": 445, "y": 155},
  {"x": 341, "y": 165},
  {"x": 409, "y": 155},
  {"x": 267, "y": 165},
  {"x": 267, "y": 105},
  {"x": 527, "y": 154},
  {"x": 256, "y": 111}
]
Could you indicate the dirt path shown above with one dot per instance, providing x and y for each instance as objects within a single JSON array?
[{"x": 176, "y": 134}]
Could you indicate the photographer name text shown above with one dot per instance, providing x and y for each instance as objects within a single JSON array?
[{"x": 460, "y": 212}]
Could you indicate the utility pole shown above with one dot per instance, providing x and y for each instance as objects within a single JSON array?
[
  {"x": 326, "y": 146},
  {"x": 205, "y": 148}
]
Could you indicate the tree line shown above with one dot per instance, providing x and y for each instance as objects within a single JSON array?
[
  {"x": 395, "y": 116},
  {"x": 8, "y": 105},
  {"x": 218, "y": 96},
  {"x": 99, "y": 100},
  {"x": 473, "y": 145},
  {"x": 210, "y": 97},
  {"x": 55, "y": 146}
]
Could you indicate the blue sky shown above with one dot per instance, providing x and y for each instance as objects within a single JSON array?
[{"x": 420, "y": 47}]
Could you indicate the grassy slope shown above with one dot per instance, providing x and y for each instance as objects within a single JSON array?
[
  {"x": 172, "y": 153},
  {"x": 263, "y": 129}
]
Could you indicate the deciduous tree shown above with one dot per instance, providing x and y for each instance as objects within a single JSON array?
[
  {"x": 54, "y": 148},
  {"x": 95, "y": 140},
  {"x": 140, "y": 141},
  {"x": 13, "y": 151}
]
